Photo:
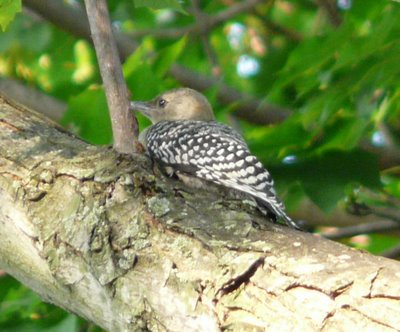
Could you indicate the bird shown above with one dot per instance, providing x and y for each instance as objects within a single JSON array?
[{"x": 187, "y": 141}]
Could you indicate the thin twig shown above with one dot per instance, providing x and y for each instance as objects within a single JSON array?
[
  {"x": 388, "y": 215},
  {"x": 373, "y": 227},
  {"x": 124, "y": 126},
  {"x": 393, "y": 252},
  {"x": 208, "y": 23},
  {"x": 331, "y": 10},
  {"x": 232, "y": 11},
  {"x": 279, "y": 29},
  {"x": 171, "y": 33}
]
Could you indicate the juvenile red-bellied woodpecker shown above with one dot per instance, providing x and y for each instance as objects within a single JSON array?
[{"x": 186, "y": 140}]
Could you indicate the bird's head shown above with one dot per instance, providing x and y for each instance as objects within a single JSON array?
[{"x": 178, "y": 104}]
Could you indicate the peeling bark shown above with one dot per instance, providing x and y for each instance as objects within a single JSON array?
[{"x": 103, "y": 236}]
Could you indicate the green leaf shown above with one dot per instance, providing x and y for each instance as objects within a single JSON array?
[
  {"x": 306, "y": 61},
  {"x": 87, "y": 116},
  {"x": 69, "y": 324},
  {"x": 143, "y": 83},
  {"x": 343, "y": 134},
  {"x": 161, "y": 4},
  {"x": 141, "y": 78},
  {"x": 392, "y": 183},
  {"x": 139, "y": 74},
  {"x": 8, "y": 9},
  {"x": 142, "y": 91},
  {"x": 168, "y": 56},
  {"x": 22, "y": 310},
  {"x": 26, "y": 35},
  {"x": 278, "y": 141},
  {"x": 293, "y": 195},
  {"x": 325, "y": 178},
  {"x": 137, "y": 58}
]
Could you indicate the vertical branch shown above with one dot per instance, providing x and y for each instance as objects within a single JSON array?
[{"x": 124, "y": 125}]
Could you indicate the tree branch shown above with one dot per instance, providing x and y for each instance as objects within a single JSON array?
[
  {"x": 279, "y": 29},
  {"x": 54, "y": 109},
  {"x": 125, "y": 128},
  {"x": 208, "y": 22},
  {"x": 97, "y": 234},
  {"x": 232, "y": 11},
  {"x": 73, "y": 19},
  {"x": 249, "y": 108},
  {"x": 389, "y": 155},
  {"x": 331, "y": 10},
  {"x": 392, "y": 252},
  {"x": 32, "y": 98},
  {"x": 368, "y": 228}
]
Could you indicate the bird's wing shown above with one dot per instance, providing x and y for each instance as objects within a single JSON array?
[{"x": 214, "y": 152}]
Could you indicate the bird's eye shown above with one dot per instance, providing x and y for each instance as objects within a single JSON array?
[{"x": 162, "y": 102}]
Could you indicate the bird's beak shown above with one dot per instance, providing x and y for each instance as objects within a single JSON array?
[{"x": 142, "y": 106}]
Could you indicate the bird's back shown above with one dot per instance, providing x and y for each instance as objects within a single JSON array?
[{"x": 214, "y": 152}]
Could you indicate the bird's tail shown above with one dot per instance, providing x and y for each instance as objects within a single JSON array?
[
  {"x": 276, "y": 211},
  {"x": 289, "y": 221}
]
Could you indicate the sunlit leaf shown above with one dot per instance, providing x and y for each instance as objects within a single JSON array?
[
  {"x": 140, "y": 76},
  {"x": 88, "y": 117},
  {"x": 168, "y": 56},
  {"x": 8, "y": 10}
]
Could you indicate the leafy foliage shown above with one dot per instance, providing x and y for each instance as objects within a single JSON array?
[
  {"x": 8, "y": 9},
  {"x": 340, "y": 81},
  {"x": 325, "y": 180},
  {"x": 87, "y": 116},
  {"x": 22, "y": 310}
]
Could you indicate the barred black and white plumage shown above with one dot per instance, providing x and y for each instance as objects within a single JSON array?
[{"x": 192, "y": 143}]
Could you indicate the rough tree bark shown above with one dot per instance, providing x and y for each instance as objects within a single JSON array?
[{"x": 102, "y": 236}]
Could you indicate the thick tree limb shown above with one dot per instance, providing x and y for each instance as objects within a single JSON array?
[{"x": 100, "y": 235}]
